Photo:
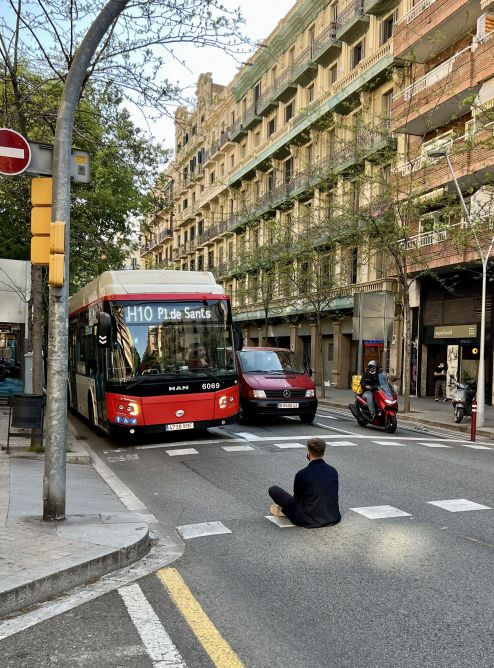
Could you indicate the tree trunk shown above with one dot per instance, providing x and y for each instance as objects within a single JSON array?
[
  {"x": 266, "y": 325},
  {"x": 407, "y": 351},
  {"x": 321, "y": 355}
]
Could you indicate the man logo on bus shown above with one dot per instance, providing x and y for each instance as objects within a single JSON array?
[{"x": 177, "y": 388}]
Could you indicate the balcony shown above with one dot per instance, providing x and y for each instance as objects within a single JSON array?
[
  {"x": 284, "y": 87},
  {"x": 326, "y": 47},
  {"x": 165, "y": 234},
  {"x": 433, "y": 25},
  {"x": 238, "y": 131},
  {"x": 352, "y": 21},
  {"x": 304, "y": 69},
  {"x": 251, "y": 117},
  {"x": 266, "y": 102},
  {"x": 446, "y": 92},
  {"x": 379, "y": 7}
]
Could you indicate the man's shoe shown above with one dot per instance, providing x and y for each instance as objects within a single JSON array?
[
  {"x": 436, "y": 399},
  {"x": 276, "y": 510}
]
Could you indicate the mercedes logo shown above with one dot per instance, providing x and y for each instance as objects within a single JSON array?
[{"x": 287, "y": 393}]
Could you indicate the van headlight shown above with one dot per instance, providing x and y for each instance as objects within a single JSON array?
[
  {"x": 259, "y": 394},
  {"x": 310, "y": 393}
]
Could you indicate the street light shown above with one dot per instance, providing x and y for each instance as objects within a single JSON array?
[{"x": 484, "y": 260}]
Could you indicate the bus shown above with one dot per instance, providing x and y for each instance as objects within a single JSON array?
[{"x": 153, "y": 351}]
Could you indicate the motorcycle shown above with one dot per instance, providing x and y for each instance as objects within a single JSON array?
[
  {"x": 462, "y": 400},
  {"x": 386, "y": 403}
]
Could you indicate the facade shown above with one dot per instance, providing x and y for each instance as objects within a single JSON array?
[{"x": 339, "y": 99}]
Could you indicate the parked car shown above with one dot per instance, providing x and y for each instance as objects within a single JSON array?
[{"x": 273, "y": 381}]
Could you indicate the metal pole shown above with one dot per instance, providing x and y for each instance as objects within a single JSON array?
[
  {"x": 360, "y": 356},
  {"x": 385, "y": 337},
  {"x": 56, "y": 407},
  {"x": 473, "y": 425}
]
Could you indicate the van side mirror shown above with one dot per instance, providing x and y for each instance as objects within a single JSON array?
[
  {"x": 104, "y": 329},
  {"x": 238, "y": 338}
]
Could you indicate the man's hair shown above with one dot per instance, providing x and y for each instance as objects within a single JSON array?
[{"x": 316, "y": 447}]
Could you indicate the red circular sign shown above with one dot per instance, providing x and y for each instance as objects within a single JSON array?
[{"x": 15, "y": 153}]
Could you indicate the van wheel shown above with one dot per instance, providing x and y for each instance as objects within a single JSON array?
[
  {"x": 307, "y": 418},
  {"x": 244, "y": 416}
]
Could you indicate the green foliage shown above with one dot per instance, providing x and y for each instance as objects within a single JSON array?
[{"x": 105, "y": 212}]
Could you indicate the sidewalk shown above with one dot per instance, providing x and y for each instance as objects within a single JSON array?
[
  {"x": 424, "y": 411},
  {"x": 39, "y": 560}
]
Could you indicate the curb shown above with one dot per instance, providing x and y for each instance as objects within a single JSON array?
[
  {"x": 45, "y": 588},
  {"x": 71, "y": 457},
  {"x": 417, "y": 419}
]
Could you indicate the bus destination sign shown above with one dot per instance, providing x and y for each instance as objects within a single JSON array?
[{"x": 156, "y": 314}]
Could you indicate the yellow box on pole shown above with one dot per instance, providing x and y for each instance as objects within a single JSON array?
[
  {"x": 41, "y": 191},
  {"x": 40, "y": 250},
  {"x": 40, "y": 220},
  {"x": 57, "y": 237},
  {"x": 56, "y": 272}
]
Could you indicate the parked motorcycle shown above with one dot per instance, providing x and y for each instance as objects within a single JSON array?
[
  {"x": 386, "y": 403},
  {"x": 462, "y": 399}
]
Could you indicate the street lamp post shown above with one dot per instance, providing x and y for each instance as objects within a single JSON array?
[{"x": 484, "y": 260}]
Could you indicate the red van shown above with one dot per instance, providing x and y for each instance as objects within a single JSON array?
[{"x": 273, "y": 381}]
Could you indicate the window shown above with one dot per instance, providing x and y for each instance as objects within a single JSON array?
[
  {"x": 310, "y": 94},
  {"x": 356, "y": 54},
  {"x": 212, "y": 178},
  {"x": 200, "y": 227},
  {"x": 289, "y": 111},
  {"x": 333, "y": 74},
  {"x": 331, "y": 143},
  {"x": 192, "y": 232},
  {"x": 334, "y": 12},
  {"x": 386, "y": 105},
  {"x": 304, "y": 277},
  {"x": 200, "y": 262},
  {"x": 192, "y": 265},
  {"x": 273, "y": 75},
  {"x": 243, "y": 150},
  {"x": 257, "y": 92},
  {"x": 184, "y": 266},
  {"x": 312, "y": 36},
  {"x": 288, "y": 170},
  {"x": 211, "y": 259},
  {"x": 387, "y": 25},
  {"x": 271, "y": 126},
  {"x": 222, "y": 169},
  {"x": 270, "y": 181},
  {"x": 257, "y": 138},
  {"x": 185, "y": 204},
  {"x": 309, "y": 155},
  {"x": 355, "y": 195},
  {"x": 232, "y": 117},
  {"x": 291, "y": 56},
  {"x": 232, "y": 160},
  {"x": 230, "y": 250},
  {"x": 353, "y": 265},
  {"x": 185, "y": 237}
]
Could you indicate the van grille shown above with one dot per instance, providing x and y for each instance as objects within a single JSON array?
[{"x": 278, "y": 394}]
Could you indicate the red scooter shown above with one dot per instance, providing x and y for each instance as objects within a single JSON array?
[{"x": 386, "y": 403}]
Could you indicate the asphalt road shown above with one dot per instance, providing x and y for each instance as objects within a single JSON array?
[{"x": 413, "y": 589}]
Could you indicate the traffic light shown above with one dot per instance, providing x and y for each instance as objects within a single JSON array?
[{"x": 48, "y": 240}]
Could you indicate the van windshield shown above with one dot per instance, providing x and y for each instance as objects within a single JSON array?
[{"x": 270, "y": 361}]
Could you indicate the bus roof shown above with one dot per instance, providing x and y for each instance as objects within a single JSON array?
[{"x": 145, "y": 281}]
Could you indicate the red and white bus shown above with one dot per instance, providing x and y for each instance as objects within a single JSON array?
[{"x": 153, "y": 351}]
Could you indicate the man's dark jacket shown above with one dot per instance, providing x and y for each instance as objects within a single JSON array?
[
  {"x": 369, "y": 379},
  {"x": 315, "y": 496}
]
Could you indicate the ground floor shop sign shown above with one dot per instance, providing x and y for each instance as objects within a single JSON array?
[{"x": 455, "y": 332}]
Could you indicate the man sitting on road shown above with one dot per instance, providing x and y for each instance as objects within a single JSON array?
[
  {"x": 315, "y": 492},
  {"x": 370, "y": 384}
]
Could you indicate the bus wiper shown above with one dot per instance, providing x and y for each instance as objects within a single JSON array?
[{"x": 208, "y": 373}]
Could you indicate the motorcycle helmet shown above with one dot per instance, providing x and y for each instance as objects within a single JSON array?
[{"x": 372, "y": 363}]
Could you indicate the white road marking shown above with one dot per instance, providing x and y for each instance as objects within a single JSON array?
[
  {"x": 328, "y": 417},
  {"x": 248, "y": 437},
  {"x": 9, "y": 152},
  {"x": 336, "y": 444},
  {"x": 289, "y": 446},
  {"x": 122, "y": 458},
  {"x": 157, "y": 642},
  {"x": 402, "y": 445},
  {"x": 176, "y": 444},
  {"x": 188, "y": 531},
  {"x": 237, "y": 448},
  {"x": 380, "y": 512},
  {"x": 183, "y": 451},
  {"x": 434, "y": 445},
  {"x": 475, "y": 447},
  {"x": 282, "y": 522},
  {"x": 458, "y": 505}
]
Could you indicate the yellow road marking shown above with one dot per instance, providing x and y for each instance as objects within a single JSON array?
[{"x": 218, "y": 650}]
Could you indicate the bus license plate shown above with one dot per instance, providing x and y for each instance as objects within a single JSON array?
[
  {"x": 288, "y": 405},
  {"x": 179, "y": 425}
]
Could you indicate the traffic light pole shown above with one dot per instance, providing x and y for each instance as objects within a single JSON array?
[{"x": 56, "y": 407}]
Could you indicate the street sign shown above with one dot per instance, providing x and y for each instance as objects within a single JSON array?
[
  {"x": 42, "y": 162},
  {"x": 15, "y": 153}
]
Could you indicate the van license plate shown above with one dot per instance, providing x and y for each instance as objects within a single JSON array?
[
  {"x": 179, "y": 425},
  {"x": 288, "y": 405}
]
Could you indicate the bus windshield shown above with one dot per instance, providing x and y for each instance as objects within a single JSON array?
[{"x": 170, "y": 339}]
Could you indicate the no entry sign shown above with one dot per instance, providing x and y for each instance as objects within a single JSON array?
[{"x": 15, "y": 153}]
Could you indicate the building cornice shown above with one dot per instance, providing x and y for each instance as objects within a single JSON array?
[{"x": 287, "y": 33}]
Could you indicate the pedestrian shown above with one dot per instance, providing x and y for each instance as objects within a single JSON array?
[
  {"x": 440, "y": 386},
  {"x": 315, "y": 492}
]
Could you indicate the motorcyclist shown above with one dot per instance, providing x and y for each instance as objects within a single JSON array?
[{"x": 370, "y": 384}]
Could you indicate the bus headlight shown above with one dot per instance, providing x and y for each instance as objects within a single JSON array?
[{"x": 259, "y": 394}]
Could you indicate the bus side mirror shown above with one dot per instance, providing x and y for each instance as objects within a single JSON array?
[
  {"x": 238, "y": 338},
  {"x": 104, "y": 330}
]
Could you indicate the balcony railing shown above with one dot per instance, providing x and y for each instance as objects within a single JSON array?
[
  {"x": 429, "y": 238},
  {"x": 326, "y": 39},
  {"x": 431, "y": 78},
  {"x": 415, "y": 11},
  {"x": 164, "y": 234}
]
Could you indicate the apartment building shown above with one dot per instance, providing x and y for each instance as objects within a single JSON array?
[
  {"x": 156, "y": 244},
  {"x": 278, "y": 149},
  {"x": 446, "y": 104}
]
